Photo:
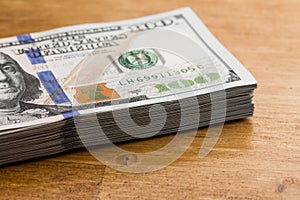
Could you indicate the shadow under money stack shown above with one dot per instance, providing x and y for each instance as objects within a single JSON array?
[{"x": 55, "y": 96}]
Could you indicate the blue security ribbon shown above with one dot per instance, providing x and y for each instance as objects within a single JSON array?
[
  {"x": 53, "y": 88},
  {"x": 24, "y": 39},
  {"x": 35, "y": 56},
  {"x": 70, "y": 114}
]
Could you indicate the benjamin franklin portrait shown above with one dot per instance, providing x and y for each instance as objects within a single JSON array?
[{"x": 17, "y": 89}]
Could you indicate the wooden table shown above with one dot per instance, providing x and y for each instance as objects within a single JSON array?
[{"x": 256, "y": 158}]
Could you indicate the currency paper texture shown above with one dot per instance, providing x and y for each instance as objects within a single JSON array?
[{"x": 45, "y": 75}]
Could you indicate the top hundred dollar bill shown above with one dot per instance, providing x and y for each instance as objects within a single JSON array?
[{"x": 43, "y": 75}]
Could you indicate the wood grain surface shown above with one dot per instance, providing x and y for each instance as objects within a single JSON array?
[{"x": 255, "y": 158}]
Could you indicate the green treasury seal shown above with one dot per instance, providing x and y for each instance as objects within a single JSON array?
[{"x": 138, "y": 59}]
